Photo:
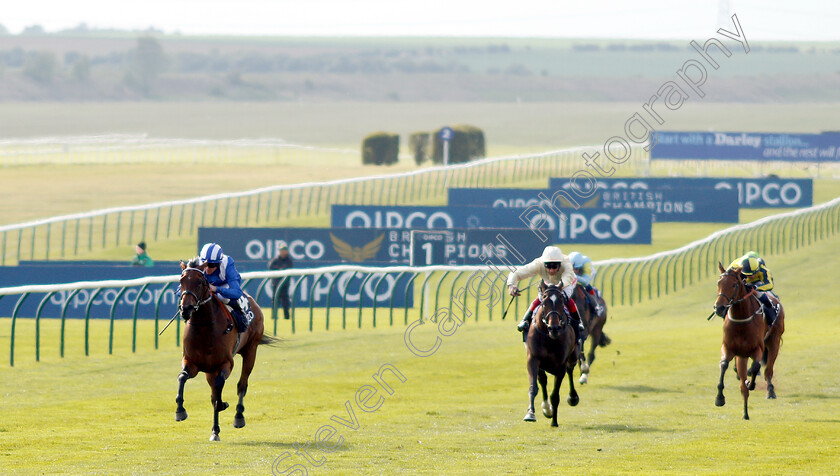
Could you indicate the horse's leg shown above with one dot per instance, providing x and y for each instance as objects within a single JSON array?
[
  {"x": 547, "y": 409},
  {"x": 755, "y": 368},
  {"x": 771, "y": 349},
  {"x": 533, "y": 373},
  {"x": 217, "y": 384},
  {"x": 595, "y": 338},
  {"x": 741, "y": 365},
  {"x": 573, "y": 396},
  {"x": 720, "y": 400},
  {"x": 248, "y": 359},
  {"x": 188, "y": 372},
  {"x": 555, "y": 397}
]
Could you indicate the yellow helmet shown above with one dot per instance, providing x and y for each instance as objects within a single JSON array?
[{"x": 749, "y": 266}]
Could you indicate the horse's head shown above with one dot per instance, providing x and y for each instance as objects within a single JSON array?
[
  {"x": 730, "y": 289},
  {"x": 553, "y": 314},
  {"x": 195, "y": 290}
]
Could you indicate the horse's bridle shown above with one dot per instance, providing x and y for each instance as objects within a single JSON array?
[
  {"x": 186, "y": 292},
  {"x": 733, "y": 301},
  {"x": 549, "y": 312}
]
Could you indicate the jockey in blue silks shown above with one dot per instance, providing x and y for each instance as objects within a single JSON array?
[
  {"x": 224, "y": 281},
  {"x": 582, "y": 266}
]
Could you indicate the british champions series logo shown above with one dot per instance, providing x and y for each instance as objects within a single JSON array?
[{"x": 357, "y": 254}]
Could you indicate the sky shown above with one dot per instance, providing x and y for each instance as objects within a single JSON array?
[{"x": 803, "y": 20}]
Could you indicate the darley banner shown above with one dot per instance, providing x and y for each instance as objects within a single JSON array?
[{"x": 824, "y": 147}]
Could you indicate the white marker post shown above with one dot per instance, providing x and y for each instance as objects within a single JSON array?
[{"x": 446, "y": 134}]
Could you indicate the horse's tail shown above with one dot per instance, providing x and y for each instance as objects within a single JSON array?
[
  {"x": 270, "y": 341},
  {"x": 605, "y": 341}
]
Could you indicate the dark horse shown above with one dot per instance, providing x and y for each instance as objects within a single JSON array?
[
  {"x": 551, "y": 348},
  {"x": 594, "y": 328},
  {"x": 746, "y": 335},
  {"x": 209, "y": 344}
]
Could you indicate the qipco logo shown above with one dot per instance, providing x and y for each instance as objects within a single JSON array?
[
  {"x": 601, "y": 226},
  {"x": 772, "y": 194},
  {"x": 395, "y": 219},
  {"x": 298, "y": 249}
]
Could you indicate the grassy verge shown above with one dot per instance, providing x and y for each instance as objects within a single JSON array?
[{"x": 648, "y": 408}]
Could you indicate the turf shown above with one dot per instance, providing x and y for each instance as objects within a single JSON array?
[{"x": 647, "y": 409}]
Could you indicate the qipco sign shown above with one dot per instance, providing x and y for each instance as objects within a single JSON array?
[{"x": 771, "y": 194}]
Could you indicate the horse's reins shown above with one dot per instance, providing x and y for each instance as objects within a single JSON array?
[
  {"x": 733, "y": 301},
  {"x": 198, "y": 301}
]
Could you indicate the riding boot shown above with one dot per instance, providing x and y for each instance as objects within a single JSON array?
[
  {"x": 525, "y": 323},
  {"x": 769, "y": 309},
  {"x": 577, "y": 326},
  {"x": 238, "y": 316}
]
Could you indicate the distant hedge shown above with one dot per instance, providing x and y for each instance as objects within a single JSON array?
[
  {"x": 420, "y": 145},
  {"x": 466, "y": 145},
  {"x": 380, "y": 148}
]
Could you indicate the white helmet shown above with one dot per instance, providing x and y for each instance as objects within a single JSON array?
[
  {"x": 552, "y": 254},
  {"x": 576, "y": 259}
]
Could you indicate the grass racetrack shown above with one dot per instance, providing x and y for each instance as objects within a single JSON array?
[{"x": 649, "y": 406}]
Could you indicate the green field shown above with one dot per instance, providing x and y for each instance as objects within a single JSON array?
[{"x": 649, "y": 406}]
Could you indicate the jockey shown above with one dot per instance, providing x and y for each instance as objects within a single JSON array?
[
  {"x": 582, "y": 265},
  {"x": 758, "y": 277},
  {"x": 553, "y": 267},
  {"x": 224, "y": 281}
]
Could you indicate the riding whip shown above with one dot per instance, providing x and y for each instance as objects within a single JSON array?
[
  {"x": 504, "y": 314},
  {"x": 170, "y": 322}
]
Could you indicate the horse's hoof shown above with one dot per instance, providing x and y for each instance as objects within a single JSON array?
[
  {"x": 720, "y": 401},
  {"x": 530, "y": 417},
  {"x": 751, "y": 386},
  {"x": 548, "y": 412},
  {"x": 181, "y": 415},
  {"x": 215, "y": 437},
  {"x": 554, "y": 424},
  {"x": 238, "y": 421},
  {"x": 584, "y": 378},
  {"x": 746, "y": 417},
  {"x": 771, "y": 394},
  {"x": 573, "y": 400}
]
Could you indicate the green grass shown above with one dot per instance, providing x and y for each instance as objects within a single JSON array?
[{"x": 647, "y": 409}]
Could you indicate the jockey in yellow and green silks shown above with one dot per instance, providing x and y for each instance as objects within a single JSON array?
[{"x": 757, "y": 276}]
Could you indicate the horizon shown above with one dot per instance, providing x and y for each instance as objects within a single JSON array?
[{"x": 773, "y": 20}]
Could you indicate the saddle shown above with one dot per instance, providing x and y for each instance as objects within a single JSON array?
[{"x": 244, "y": 304}]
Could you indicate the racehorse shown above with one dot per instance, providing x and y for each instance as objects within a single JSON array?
[
  {"x": 210, "y": 343},
  {"x": 594, "y": 327},
  {"x": 551, "y": 348},
  {"x": 746, "y": 335}
]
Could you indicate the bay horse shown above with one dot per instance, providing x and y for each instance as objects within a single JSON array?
[
  {"x": 551, "y": 348},
  {"x": 209, "y": 344},
  {"x": 594, "y": 327},
  {"x": 746, "y": 335}
]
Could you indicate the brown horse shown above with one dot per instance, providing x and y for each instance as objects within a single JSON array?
[
  {"x": 746, "y": 335},
  {"x": 209, "y": 344},
  {"x": 594, "y": 327},
  {"x": 551, "y": 348}
]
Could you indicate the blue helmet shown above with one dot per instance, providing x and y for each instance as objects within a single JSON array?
[
  {"x": 577, "y": 260},
  {"x": 211, "y": 253}
]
